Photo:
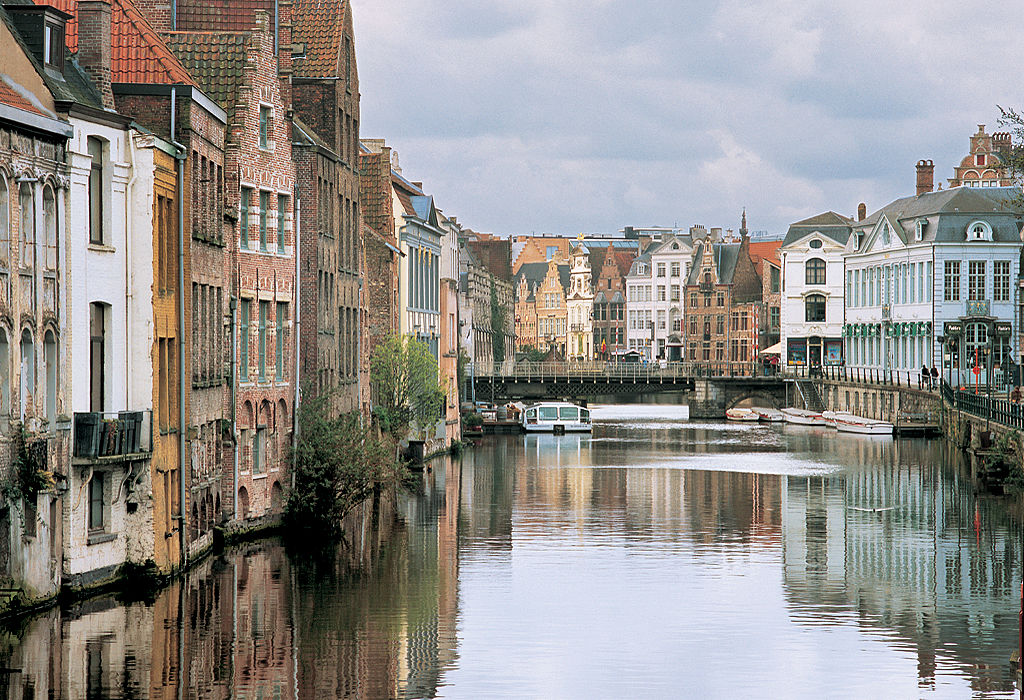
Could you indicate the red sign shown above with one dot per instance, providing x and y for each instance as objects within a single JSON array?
[{"x": 976, "y": 370}]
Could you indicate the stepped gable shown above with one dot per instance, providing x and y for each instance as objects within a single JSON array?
[
  {"x": 216, "y": 60},
  {"x": 137, "y": 53},
  {"x": 319, "y": 26}
]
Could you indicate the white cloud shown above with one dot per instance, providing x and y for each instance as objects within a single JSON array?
[{"x": 552, "y": 115}]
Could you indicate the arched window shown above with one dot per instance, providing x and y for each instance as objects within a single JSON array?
[
  {"x": 814, "y": 271},
  {"x": 28, "y": 371},
  {"x": 5, "y": 223},
  {"x": 96, "y": 187},
  {"x": 28, "y": 225},
  {"x": 97, "y": 355},
  {"x": 814, "y": 308},
  {"x": 5, "y": 381},
  {"x": 50, "y": 228},
  {"x": 52, "y": 375},
  {"x": 979, "y": 231}
]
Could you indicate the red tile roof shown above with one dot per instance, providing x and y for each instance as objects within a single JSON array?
[
  {"x": 216, "y": 59},
  {"x": 137, "y": 53},
  {"x": 11, "y": 97},
  {"x": 319, "y": 25}
]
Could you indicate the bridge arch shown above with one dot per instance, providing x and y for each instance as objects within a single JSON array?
[{"x": 759, "y": 398}]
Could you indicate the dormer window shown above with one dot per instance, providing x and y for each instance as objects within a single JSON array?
[
  {"x": 885, "y": 233},
  {"x": 53, "y": 45},
  {"x": 979, "y": 159},
  {"x": 919, "y": 229},
  {"x": 979, "y": 231}
]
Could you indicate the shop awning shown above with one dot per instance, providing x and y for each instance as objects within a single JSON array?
[{"x": 773, "y": 350}]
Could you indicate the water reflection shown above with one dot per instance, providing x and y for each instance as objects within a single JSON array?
[{"x": 653, "y": 558}]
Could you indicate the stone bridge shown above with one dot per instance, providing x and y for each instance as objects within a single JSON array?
[{"x": 709, "y": 390}]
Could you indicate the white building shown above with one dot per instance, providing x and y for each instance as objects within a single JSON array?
[
  {"x": 654, "y": 294},
  {"x": 579, "y": 304},
  {"x": 812, "y": 304},
  {"x": 936, "y": 265}
]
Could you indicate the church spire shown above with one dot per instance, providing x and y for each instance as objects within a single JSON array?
[{"x": 743, "y": 224}]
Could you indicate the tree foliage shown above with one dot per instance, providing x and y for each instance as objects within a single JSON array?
[
  {"x": 531, "y": 353},
  {"x": 409, "y": 387},
  {"x": 338, "y": 465}
]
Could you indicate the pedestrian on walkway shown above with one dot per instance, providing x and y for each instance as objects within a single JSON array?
[
  {"x": 935, "y": 377},
  {"x": 923, "y": 381}
]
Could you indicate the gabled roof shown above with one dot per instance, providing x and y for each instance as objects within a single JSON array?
[
  {"x": 319, "y": 25},
  {"x": 535, "y": 273},
  {"x": 724, "y": 257},
  {"x": 216, "y": 60}
]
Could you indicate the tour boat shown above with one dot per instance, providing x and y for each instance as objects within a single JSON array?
[
  {"x": 800, "y": 416},
  {"x": 769, "y": 415},
  {"x": 556, "y": 417},
  {"x": 864, "y": 426},
  {"x": 742, "y": 414}
]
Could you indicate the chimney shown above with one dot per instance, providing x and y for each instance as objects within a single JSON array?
[
  {"x": 862, "y": 211},
  {"x": 925, "y": 176},
  {"x": 94, "y": 45}
]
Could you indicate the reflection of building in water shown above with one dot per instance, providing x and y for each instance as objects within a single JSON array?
[{"x": 938, "y": 569}]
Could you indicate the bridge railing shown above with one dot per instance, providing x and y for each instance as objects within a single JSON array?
[
  {"x": 995, "y": 408},
  {"x": 909, "y": 378},
  {"x": 625, "y": 371}
]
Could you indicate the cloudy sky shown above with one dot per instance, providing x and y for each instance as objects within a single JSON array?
[{"x": 561, "y": 116}]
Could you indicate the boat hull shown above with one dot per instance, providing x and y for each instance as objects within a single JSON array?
[
  {"x": 865, "y": 426},
  {"x": 799, "y": 416},
  {"x": 742, "y": 415},
  {"x": 556, "y": 417}
]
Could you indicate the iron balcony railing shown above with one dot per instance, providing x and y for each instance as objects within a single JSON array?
[{"x": 113, "y": 434}]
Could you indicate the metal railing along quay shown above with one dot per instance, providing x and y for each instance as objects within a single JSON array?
[
  {"x": 993, "y": 408},
  {"x": 625, "y": 371}
]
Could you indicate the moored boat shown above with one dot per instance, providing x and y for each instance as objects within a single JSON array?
[
  {"x": 832, "y": 416},
  {"x": 769, "y": 415},
  {"x": 742, "y": 414},
  {"x": 864, "y": 426},
  {"x": 556, "y": 417},
  {"x": 802, "y": 416}
]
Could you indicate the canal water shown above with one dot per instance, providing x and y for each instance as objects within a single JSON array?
[{"x": 656, "y": 558}]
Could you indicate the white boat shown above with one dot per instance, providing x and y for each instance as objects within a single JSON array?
[
  {"x": 556, "y": 417},
  {"x": 769, "y": 415},
  {"x": 801, "y": 416},
  {"x": 742, "y": 414},
  {"x": 832, "y": 416},
  {"x": 864, "y": 426}
]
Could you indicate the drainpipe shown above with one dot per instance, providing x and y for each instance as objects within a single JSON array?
[
  {"x": 182, "y": 157},
  {"x": 296, "y": 296},
  {"x": 233, "y": 307}
]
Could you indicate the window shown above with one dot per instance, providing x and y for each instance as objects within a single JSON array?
[
  {"x": 776, "y": 279},
  {"x": 814, "y": 309},
  {"x": 50, "y": 229},
  {"x": 282, "y": 208},
  {"x": 675, "y": 269},
  {"x": 5, "y": 223},
  {"x": 1001, "y": 280},
  {"x": 815, "y": 271},
  {"x": 282, "y": 312},
  {"x": 264, "y": 213},
  {"x": 720, "y": 299},
  {"x": 28, "y": 225},
  {"x": 693, "y": 300},
  {"x": 28, "y": 370},
  {"x": 975, "y": 280},
  {"x": 243, "y": 341},
  {"x": 720, "y": 326},
  {"x": 96, "y": 191},
  {"x": 774, "y": 318},
  {"x": 50, "y": 375},
  {"x": 661, "y": 269},
  {"x": 53, "y": 45},
  {"x": 264, "y": 126},
  {"x": 243, "y": 219},
  {"x": 814, "y": 243},
  {"x": 661, "y": 292},
  {"x": 979, "y": 231},
  {"x": 97, "y": 355},
  {"x": 675, "y": 292},
  {"x": 97, "y": 519},
  {"x": 661, "y": 320},
  {"x": 951, "y": 281},
  {"x": 264, "y": 310},
  {"x": 551, "y": 251}
]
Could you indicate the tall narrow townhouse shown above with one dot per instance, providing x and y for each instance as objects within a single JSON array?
[
  {"x": 448, "y": 349},
  {"x": 420, "y": 236},
  {"x": 382, "y": 254},
  {"x": 35, "y": 142},
  {"x": 240, "y": 69},
  {"x": 325, "y": 91},
  {"x": 579, "y": 302}
]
